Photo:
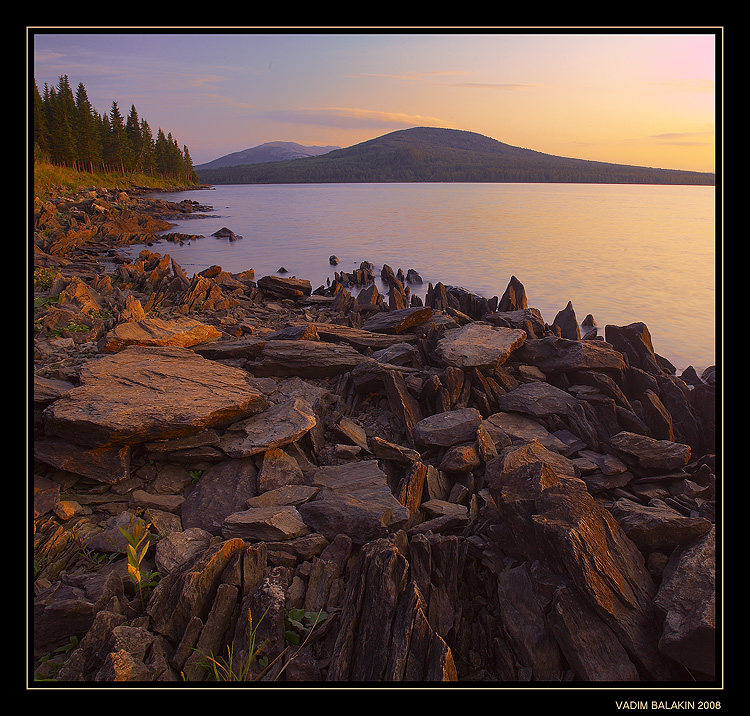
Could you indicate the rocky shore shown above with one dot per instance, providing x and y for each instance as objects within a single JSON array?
[{"x": 243, "y": 478}]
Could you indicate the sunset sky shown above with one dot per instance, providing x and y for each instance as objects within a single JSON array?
[{"x": 632, "y": 96}]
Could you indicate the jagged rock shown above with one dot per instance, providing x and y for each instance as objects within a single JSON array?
[
  {"x": 384, "y": 634},
  {"x": 182, "y": 331},
  {"x": 178, "y": 547},
  {"x": 278, "y": 426},
  {"x": 514, "y": 298},
  {"x": 189, "y": 590},
  {"x": 479, "y": 345},
  {"x": 566, "y": 321},
  {"x": 555, "y": 520},
  {"x": 687, "y": 596},
  {"x": 145, "y": 393},
  {"x": 634, "y": 341}
]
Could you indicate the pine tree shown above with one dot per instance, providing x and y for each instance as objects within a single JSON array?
[
  {"x": 41, "y": 131},
  {"x": 88, "y": 140}
]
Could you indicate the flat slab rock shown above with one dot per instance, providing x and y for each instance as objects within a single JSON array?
[
  {"x": 150, "y": 393},
  {"x": 278, "y": 426},
  {"x": 479, "y": 345},
  {"x": 182, "y": 331}
]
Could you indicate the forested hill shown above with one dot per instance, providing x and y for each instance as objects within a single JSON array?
[{"x": 425, "y": 154}]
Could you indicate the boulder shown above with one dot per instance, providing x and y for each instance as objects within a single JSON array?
[
  {"x": 149, "y": 393},
  {"x": 479, "y": 345},
  {"x": 657, "y": 526},
  {"x": 284, "y": 287}
]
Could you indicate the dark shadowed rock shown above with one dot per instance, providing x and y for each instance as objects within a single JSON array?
[{"x": 223, "y": 488}]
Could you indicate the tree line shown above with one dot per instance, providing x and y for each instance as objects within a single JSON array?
[{"x": 69, "y": 132}]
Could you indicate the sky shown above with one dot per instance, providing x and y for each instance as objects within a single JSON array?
[{"x": 636, "y": 96}]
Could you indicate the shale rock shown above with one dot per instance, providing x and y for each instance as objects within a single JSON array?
[
  {"x": 479, "y": 345},
  {"x": 144, "y": 393}
]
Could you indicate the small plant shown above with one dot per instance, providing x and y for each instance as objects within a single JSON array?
[
  {"x": 139, "y": 540},
  {"x": 300, "y": 624},
  {"x": 225, "y": 668},
  {"x": 195, "y": 475},
  {"x": 44, "y": 276}
]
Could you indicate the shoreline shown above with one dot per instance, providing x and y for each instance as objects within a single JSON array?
[{"x": 356, "y": 454}]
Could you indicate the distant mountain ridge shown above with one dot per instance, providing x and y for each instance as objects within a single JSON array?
[
  {"x": 429, "y": 154},
  {"x": 267, "y": 152}
]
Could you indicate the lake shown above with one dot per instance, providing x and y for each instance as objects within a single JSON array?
[{"x": 623, "y": 253}]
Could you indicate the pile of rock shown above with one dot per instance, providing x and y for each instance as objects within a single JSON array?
[{"x": 455, "y": 490}]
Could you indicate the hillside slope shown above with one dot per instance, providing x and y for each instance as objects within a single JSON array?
[{"x": 426, "y": 154}]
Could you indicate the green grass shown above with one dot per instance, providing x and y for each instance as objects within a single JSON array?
[{"x": 50, "y": 179}]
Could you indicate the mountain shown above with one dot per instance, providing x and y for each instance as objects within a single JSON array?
[
  {"x": 428, "y": 154},
  {"x": 268, "y": 152}
]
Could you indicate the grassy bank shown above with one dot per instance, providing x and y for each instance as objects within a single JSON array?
[{"x": 50, "y": 179}]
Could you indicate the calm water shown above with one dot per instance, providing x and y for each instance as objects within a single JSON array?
[{"x": 623, "y": 253}]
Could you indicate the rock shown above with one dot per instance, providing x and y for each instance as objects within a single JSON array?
[
  {"x": 514, "y": 298},
  {"x": 656, "y": 526},
  {"x": 380, "y": 594},
  {"x": 333, "y": 260},
  {"x": 649, "y": 453},
  {"x": 103, "y": 465},
  {"x": 283, "y": 287},
  {"x": 397, "y": 322},
  {"x": 566, "y": 321},
  {"x": 278, "y": 426},
  {"x": 538, "y": 400},
  {"x": 223, "y": 489},
  {"x": 178, "y": 547},
  {"x": 560, "y": 355},
  {"x": 449, "y": 428},
  {"x": 634, "y": 342},
  {"x": 687, "y": 596},
  {"x": 479, "y": 345},
  {"x": 144, "y": 393},
  {"x": 276, "y": 522},
  {"x": 278, "y": 470},
  {"x": 354, "y": 500},
  {"x": 555, "y": 520},
  {"x": 182, "y": 331},
  {"x": 358, "y": 338},
  {"x": 504, "y": 427},
  {"x": 224, "y": 233},
  {"x": 305, "y": 359}
]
